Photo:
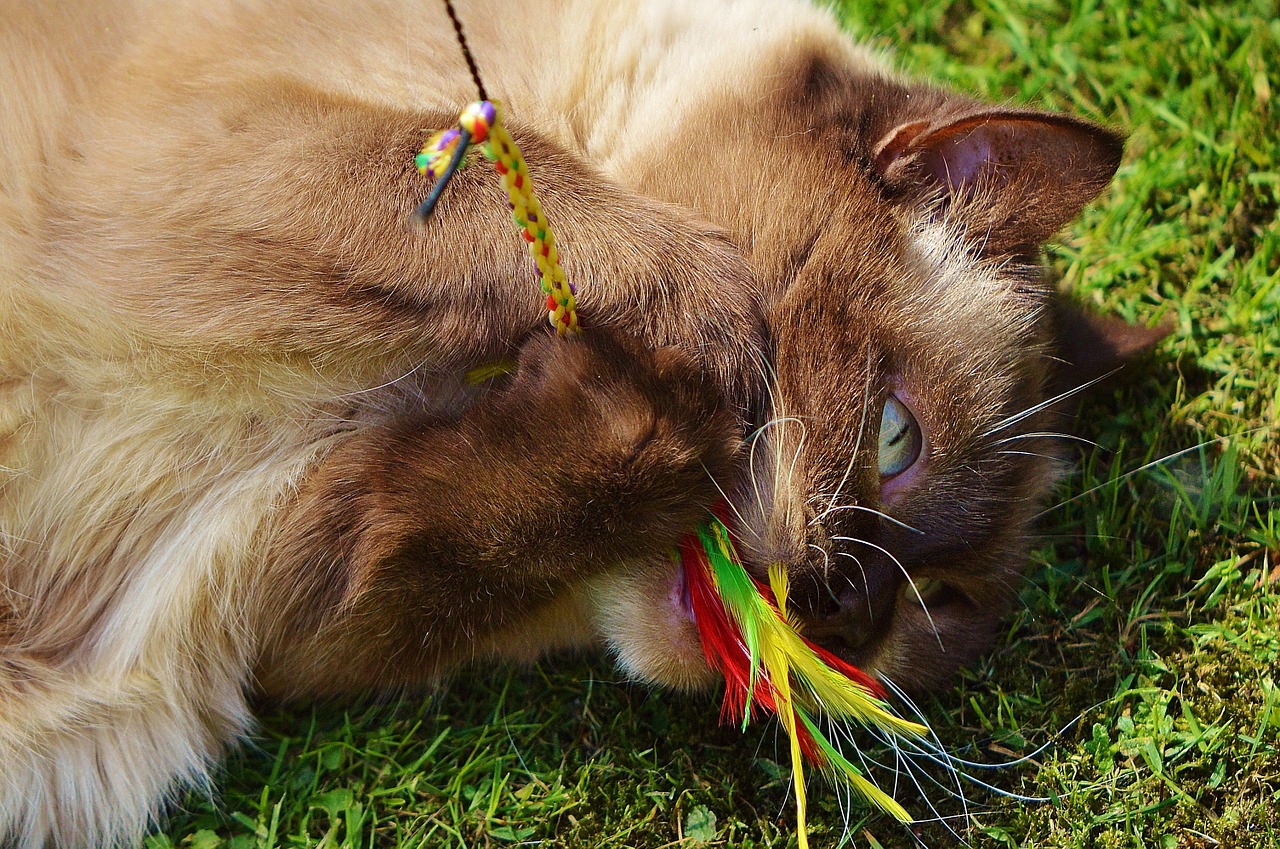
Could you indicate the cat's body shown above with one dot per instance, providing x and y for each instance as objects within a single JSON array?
[{"x": 233, "y": 449}]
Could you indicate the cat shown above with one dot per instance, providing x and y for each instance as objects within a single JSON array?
[{"x": 238, "y": 452}]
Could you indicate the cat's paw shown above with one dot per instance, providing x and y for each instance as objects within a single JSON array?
[
  {"x": 696, "y": 291},
  {"x": 633, "y": 444}
]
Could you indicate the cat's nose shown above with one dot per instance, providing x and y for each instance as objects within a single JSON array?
[{"x": 846, "y": 611}]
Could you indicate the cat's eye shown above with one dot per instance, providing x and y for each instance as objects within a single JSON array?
[{"x": 900, "y": 438}]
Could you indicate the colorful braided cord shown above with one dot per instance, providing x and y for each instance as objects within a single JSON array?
[{"x": 480, "y": 123}]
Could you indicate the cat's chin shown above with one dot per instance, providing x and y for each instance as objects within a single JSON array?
[{"x": 644, "y": 615}]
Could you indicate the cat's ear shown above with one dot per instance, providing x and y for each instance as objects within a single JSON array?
[
  {"x": 1012, "y": 177},
  {"x": 1091, "y": 345}
]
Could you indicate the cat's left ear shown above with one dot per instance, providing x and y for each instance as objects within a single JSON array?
[{"x": 1013, "y": 177}]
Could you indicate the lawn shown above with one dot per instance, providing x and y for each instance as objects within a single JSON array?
[{"x": 1142, "y": 672}]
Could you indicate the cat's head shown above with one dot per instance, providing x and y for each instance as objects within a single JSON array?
[{"x": 906, "y": 438}]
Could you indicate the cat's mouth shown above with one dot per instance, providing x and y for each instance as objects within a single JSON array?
[{"x": 682, "y": 599}]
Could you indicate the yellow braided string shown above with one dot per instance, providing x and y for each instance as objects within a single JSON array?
[{"x": 482, "y": 122}]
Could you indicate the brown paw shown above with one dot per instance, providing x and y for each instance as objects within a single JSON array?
[
  {"x": 632, "y": 442},
  {"x": 697, "y": 293}
]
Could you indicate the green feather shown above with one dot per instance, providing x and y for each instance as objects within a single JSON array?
[
  {"x": 837, "y": 762},
  {"x": 738, "y": 594}
]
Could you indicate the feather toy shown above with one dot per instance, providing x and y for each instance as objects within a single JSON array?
[
  {"x": 747, "y": 633},
  {"x": 750, "y": 637}
]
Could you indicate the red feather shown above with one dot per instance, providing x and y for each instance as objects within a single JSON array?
[{"x": 726, "y": 651}]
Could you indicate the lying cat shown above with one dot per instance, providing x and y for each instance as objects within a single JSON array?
[{"x": 237, "y": 449}]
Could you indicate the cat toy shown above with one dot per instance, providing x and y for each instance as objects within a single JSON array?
[
  {"x": 749, "y": 636},
  {"x": 442, "y": 155},
  {"x": 747, "y": 631}
]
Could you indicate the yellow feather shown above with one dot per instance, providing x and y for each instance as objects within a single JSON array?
[
  {"x": 777, "y": 668},
  {"x": 823, "y": 689},
  {"x": 878, "y": 797}
]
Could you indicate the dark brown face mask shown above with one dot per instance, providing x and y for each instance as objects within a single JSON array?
[{"x": 914, "y": 346}]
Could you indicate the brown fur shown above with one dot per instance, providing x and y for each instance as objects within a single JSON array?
[
  {"x": 237, "y": 452},
  {"x": 597, "y": 453}
]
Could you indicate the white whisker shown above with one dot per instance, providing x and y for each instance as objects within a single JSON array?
[
  {"x": 826, "y": 560},
  {"x": 936, "y": 633},
  {"x": 1028, "y": 454},
  {"x": 1145, "y": 466},
  {"x": 932, "y": 742},
  {"x": 1031, "y": 411},
  {"x": 861, "y": 571},
  {"x": 871, "y": 510},
  {"x": 904, "y": 762},
  {"x": 753, "y": 443},
  {"x": 1045, "y": 435},
  {"x": 791, "y": 471},
  {"x": 742, "y": 520},
  {"x": 862, "y": 428}
]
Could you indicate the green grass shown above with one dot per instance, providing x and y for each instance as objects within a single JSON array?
[{"x": 1148, "y": 629}]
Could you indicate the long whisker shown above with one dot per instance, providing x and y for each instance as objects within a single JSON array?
[
  {"x": 754, "y": 439},
  {"x": 1045, "y": 435},
  {"x": 861, "y": 571},
  {"x": 1028, "y": 454},
  {"x": 777, "y": 403},
  {"x": 1027, "y": 758},
  {"x": 862, "y": 428},
  {"x": 1031, "y": 411},
  {"x": 932, "y": 742},
  {"x": 742, "y": 520},
  {"x": 782, "y": 415},
  {"x": 931, "y": 748},
  {"x": 791, "y": 470},
  {"x": 826, "y": 560},
  {"x": 941, "y": 760},
  {"x": 872, "y": 510},
  {"x": 936, "y": 633},
  {"x": 391, "y": 382},
  {"x": 904, "y": 760},
  {"x": 781, "y": 422},
  {"x": 1145, "y": 466},
  {"x": 752, "y": 442}
]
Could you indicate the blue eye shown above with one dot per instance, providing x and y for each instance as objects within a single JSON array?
[{"x": 900, "y": 438}]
